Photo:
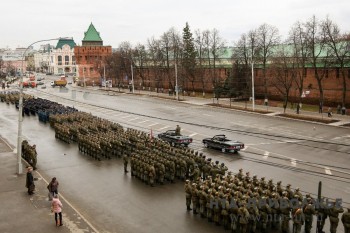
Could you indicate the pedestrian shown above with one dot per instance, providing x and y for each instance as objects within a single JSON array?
[
  {"x": 30, "y": 181},
  {"x": 329, "y": 112},
  {"x": 53, "y": 188},
  {"x": 56, "y": 207}
]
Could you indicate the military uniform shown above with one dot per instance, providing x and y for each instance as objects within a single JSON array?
[
  {"x": 334, "y": 217},
  {"x": 346, "y": 221}
]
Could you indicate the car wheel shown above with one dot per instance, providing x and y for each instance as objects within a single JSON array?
[
  {"x": 236, "y": 152},
  {"x": 173, "y": 144},
  {"x": 206, "y": 145},
  {"x": 223, "y": 150}
]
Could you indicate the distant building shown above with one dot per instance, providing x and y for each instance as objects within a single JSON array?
[
  {"x": 90, "y": 56},
  {"x": 62, "y": 59}
]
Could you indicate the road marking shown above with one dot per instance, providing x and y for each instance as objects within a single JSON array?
[
  {"x": 141, "y": 122},
  {"x": 119, "y": 114},
  {"x": 327, "y": 170},
  {"x": 153, "y": 124},
  {"x": 293, "y": 162},
  {"x": 125, "y": 116},
  {"x": 134, "y": 119},
  {"x": 207, "y": 115},
  {"x": 191, "y": 135},
  {"x": 266, "y": 155},
  {"x": 164, "y": 127},
  {"x": 340, "y": 137}
]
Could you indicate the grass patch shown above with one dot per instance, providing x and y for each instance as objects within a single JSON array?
[
  {"x": 308, "y": 118},
  {"x": 240, "y": 108}
]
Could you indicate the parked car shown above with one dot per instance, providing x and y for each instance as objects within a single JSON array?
[{"x": 222, "y": 143}]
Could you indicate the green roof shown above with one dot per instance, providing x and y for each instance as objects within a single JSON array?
[
  {"x": 62, "y": 42},
  {"x": 91, "y": 34}
]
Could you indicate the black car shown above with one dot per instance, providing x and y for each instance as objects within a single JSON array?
[
  {"x": 174, "y": 140},
  {"x": 222, "y": 143}
]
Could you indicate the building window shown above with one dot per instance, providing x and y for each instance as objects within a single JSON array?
[
  {"x": 66, "y": 60},
  {"x": 73, "y": 60},
  {"x": 59, "y": 59},
  {"x": 91, "y": 69}
]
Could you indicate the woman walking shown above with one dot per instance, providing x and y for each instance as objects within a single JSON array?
[
  {"x": 56, "y": 207},
  {"x": 53, "y": 187}
]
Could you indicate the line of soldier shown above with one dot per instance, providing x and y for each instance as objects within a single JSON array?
[
  {"x": 227, "y": 200},
  {"x": 12, "y": 97},
  {"x": 29, "y": 153}
]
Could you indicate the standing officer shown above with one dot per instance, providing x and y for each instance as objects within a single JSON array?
[
  {"x": 188, "y": 190},
  {"x": 125, "y": 160},
  {"x": 345, "y": 219},
  {"x": 178, "y": 130},
  {"x": 334, "y": 216}
]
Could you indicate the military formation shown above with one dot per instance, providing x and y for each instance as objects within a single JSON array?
[
  {"x": 244, "y": 203},
  {"x": 29, "y": 153},
  {"x": 209, "y": 187},
  {"x": 12, "y": 97}
]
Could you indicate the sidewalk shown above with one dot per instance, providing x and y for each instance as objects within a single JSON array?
[
  {"x": 23, "y": 213},
  {"x": 274, "y": 111}
]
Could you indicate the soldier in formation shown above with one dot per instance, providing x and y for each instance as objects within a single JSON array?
[
  {"x": 246, "y": 204},
  {"x": 29, "y": 153}
]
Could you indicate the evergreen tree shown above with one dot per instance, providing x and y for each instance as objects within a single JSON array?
[{"x": 189, "y": 54}]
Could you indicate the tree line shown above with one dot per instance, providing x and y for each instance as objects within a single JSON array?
[{"x": 201, "y": 56}]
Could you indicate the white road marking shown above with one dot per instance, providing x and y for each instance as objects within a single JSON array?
[
  {"x": 141, "y": 122},
  {"x": 191, "y": 135},
  {"x": 327, "y": 171},
  {"x": 153, "y": 124},
  {"x": 266, "y": 155},
  {"x": 293, "y": 162},
  {"x": 134, "y": 119},
  {"x": 340, "y": 137},
  {"x": 125, "y": 116},
  {"x": 119, "y": 114},
  {"x": 164, "y": 127},
  {"x": 207, "y": 115}
]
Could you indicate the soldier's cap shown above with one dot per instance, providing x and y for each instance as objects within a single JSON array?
[
  {"x": 194, "y": 184},
  {"x": 240, "y": 169},
  {"x": 288, "y": 185},
  {"x": 217, "y": 162},
  {"x": 279, "y": 182},
  {"x": 297, "y": 189}
]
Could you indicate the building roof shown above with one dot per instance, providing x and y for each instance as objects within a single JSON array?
[
  {"x": 66, "y": 41},
  {"x": 92, "y": 34}
]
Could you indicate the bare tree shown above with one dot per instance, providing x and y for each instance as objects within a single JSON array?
[
  {"x": 339, "y": 49},
  {"x": 217, "y": 45},
  {"x": 113, "y": 68},
  {"x": 158, "y": 62},
  {"x": 140, "y": 58},
  {"x": 283, "y": 74},
  {"x": 268, "y": 37},
  {"x": 297, "y": 39},
  {"x": 316, "y": 46}
]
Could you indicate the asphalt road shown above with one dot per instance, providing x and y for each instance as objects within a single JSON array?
[{"x": 294, "y": 152}]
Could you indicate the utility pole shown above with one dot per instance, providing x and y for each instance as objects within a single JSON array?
[
  {"x": 104, "y": 76},
  {"x": 132, "y": 77},
  {"x": 253, "y": 94},
  {"x": 176, "y": 87}
]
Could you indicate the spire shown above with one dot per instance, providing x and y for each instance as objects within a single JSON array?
[{"x": 92, "y": 35}]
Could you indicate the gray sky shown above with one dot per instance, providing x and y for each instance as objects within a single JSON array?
[{"x": 25, "y": 21}]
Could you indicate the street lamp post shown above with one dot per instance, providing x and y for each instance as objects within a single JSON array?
[
  {"x": 253, "y": 94},
  {"x": 176, "y": 86},
  {"x": 20, "y": 111},
  {"x": 132, "y": 78}
]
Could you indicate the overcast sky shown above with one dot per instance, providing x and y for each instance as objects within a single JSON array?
[{"x": 25, "y": 21}]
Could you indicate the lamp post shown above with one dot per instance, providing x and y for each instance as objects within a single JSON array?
[
  {"x": 20, "y": 111},
  {"x": 176, "y": 87},
  {"x": 253, "y": 94},
  {"x": 132, "y": 75}
]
